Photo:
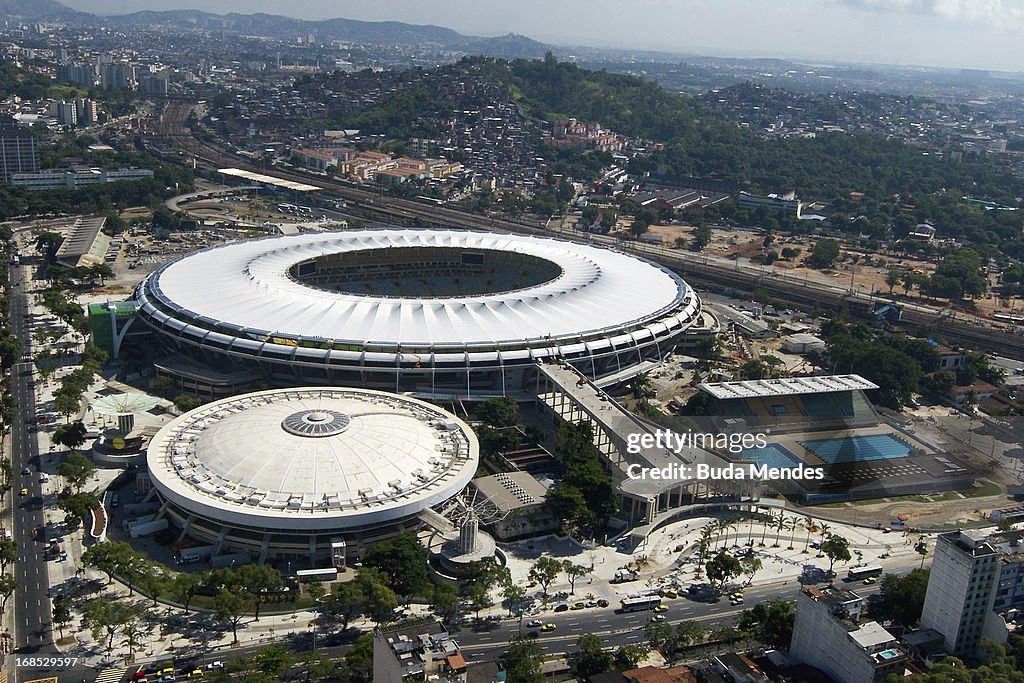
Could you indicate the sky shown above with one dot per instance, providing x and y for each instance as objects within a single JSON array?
[{"x": 983, "y": 34}]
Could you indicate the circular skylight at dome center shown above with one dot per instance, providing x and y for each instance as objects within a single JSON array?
[{"x": 316, "y": 423}]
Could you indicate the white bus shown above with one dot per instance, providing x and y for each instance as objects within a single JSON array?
[
  {"x": 863, "y": 573},
  {"x": 640, "y": 603}
]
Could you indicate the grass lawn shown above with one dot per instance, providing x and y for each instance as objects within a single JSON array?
[{"x": 987, "y": 488}]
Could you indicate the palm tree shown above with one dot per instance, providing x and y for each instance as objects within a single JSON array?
[
  {"x": 782, "y": 524},
  {"x": 750, "y": 529},
  {"x": 811, "y": 527},
  {"x": 793, "y": 525},
  {"x": 722, "y": 527},
  {"x": 825, "y": 531},
  {"x": 768, "y": 521},
  {"x": 703, "y": 544}
]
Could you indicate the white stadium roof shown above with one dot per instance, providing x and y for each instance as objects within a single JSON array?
[
  {"x": 247, "y": 286},
  {"x": 792, "y": 386},
  {"x": 312, "y": 458}
]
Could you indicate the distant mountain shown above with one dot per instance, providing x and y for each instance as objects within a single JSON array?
[
  {"x": 509, "y": 46},
  {"x": 275, "y": 26},
  {"x": 36, "y": 9},
  {"x": 286, "y": 28}
]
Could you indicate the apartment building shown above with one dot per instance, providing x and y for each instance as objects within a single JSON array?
[{"x": 829, "y": 634}]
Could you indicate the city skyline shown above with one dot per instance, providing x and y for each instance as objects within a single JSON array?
[{"x": 947, "y": 33}]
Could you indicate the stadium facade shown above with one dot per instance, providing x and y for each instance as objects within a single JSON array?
[{"x": 434, "y": 313}]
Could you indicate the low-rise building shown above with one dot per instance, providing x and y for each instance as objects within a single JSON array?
[
  {"x": 780, "y": 204},
  {"x": 518, "y": 499},
  {"x": 76, "y": 177},
  {"x": 416, "y": 650},
  {"x": 829, "y": 635}
]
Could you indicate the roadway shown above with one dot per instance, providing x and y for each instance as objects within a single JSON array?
[{"x": 32, "y": 603}]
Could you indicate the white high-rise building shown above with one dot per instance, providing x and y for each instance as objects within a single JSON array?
[{"x": 961, "y": 589}]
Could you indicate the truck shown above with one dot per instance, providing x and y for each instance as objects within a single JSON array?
[
  {"x": 149, "y": 528},
  {"x": 625, "y": 575},
  {"x": 198, "y": 553}
]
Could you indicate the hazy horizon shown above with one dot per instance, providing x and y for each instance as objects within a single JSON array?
[{"x": 981, "y": 34}]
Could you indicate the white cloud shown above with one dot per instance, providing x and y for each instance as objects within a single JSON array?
[{"x": 996, "y": 12}]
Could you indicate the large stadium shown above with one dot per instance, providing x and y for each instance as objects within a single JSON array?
[
  {"x": 284, "y": 474},
  {"x": 433, "y": 313}
]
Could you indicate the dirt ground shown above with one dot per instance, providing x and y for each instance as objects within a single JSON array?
[
  {"x": 946, "y": 510},
  {"x": 748, "y": 244}
]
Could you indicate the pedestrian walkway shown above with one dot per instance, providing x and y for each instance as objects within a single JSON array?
[{"x": 111, "y": 675}]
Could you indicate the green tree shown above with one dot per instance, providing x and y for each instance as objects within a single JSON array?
[
  {"x": 835, "y": 548},
  {"x": 403, "y": 560},
  {"x": 380, "y": 601},
  {"x": 545, "y": 571},
  {"x": 751, "y": 565},
  {"x": 273, "y": 659},
  {"x": 77, "y": 469},
  {"x": 514, "y": 597},
  {"x": 630, "y": 655},
  {"x": 316, "y": 590},
  {"x": 901, "y": 598},
  {"x": 260, "y": 581},
  {"x": 184, "y": 587},
  {"x": 574, "y": 571},
  {"x": 70, "y": 436},
  {"x": 444, "y": 600},
  {"x": 185, "y": 402},
  {"x": 67, "y": 403},
  {"x": 685, "y": 634},
  {"x": 638, "y": 227},
  {"x": 230, "y": 605},
  {"x": 107, "y": 617},
  {"x": 523, "y": 661},
  {"x": 7, "y": 587},
  {"x": 107, "y": 557},
  {"x": 770, "y": 622},
  {"x": 892, "y": 278},
  {"x": 345, "y": 602},
  {"x": 592, "y": 658},
  {"x": 479, "y": 598},
  {"x": 700, "y": 238},
  {"x": 62, "y": 615},
  {"x": 359, "y": 658},
  {"x": 659, "y": 634},
  {"x": 722, "y": 568},
  {"x": 498, "y": 412},
  {"x": 824, "y": 253},
  {"x": 8, "y": 553},
  {"x": 163, "y": 386}
]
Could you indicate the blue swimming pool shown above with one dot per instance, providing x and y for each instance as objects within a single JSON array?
[
  {"x": 772, "y": 455},
  {"x": 858, "y": 448}
]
